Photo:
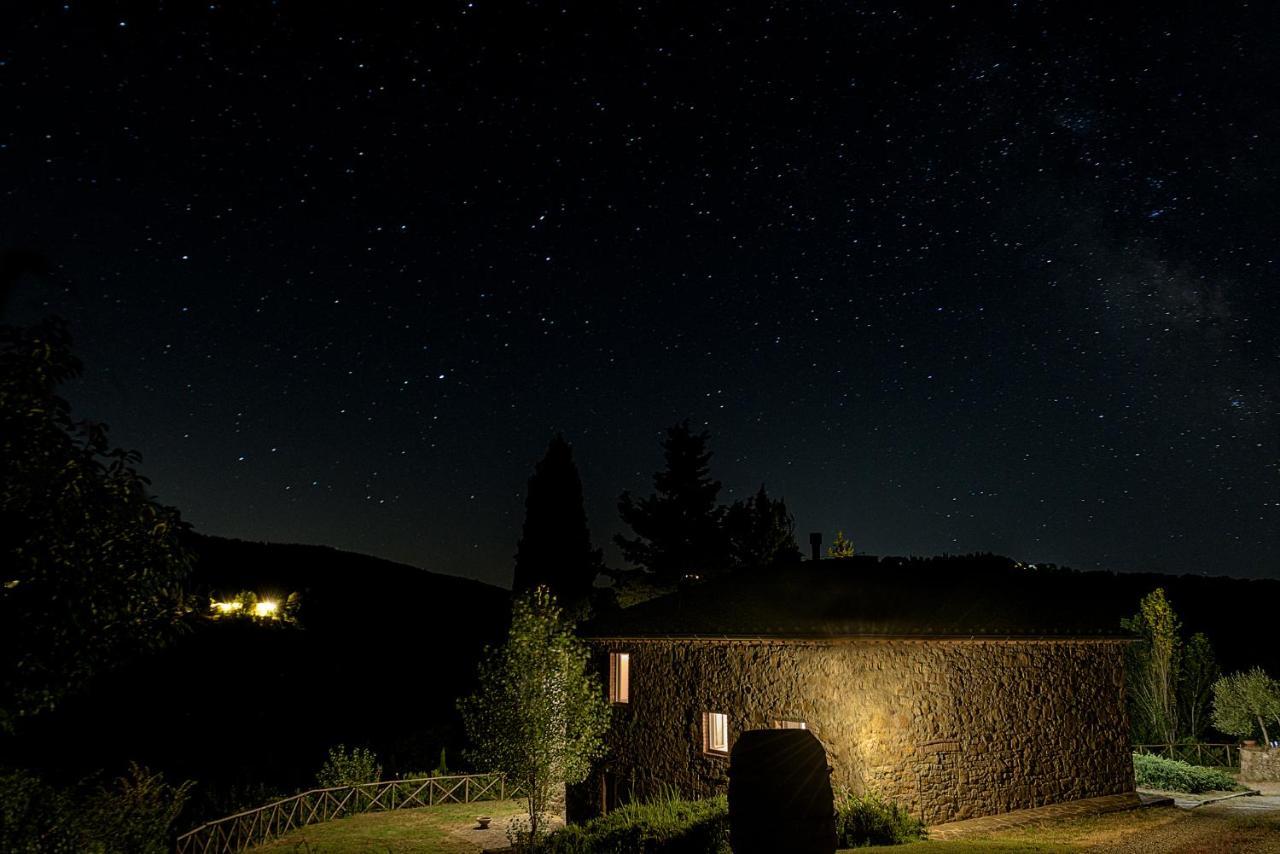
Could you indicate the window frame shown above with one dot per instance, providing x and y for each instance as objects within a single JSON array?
[
  {"x": 619, "y": 678},
  {"x": 707, "y": 729}
]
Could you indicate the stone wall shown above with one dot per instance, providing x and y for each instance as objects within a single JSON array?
[
  {"x": 951, "y": 729},
  {"x": 1259, "y": 764}
]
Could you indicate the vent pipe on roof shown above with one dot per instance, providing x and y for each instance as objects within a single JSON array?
[{"x": 815, "y": 544}]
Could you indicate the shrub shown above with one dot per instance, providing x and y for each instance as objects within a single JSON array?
[
  {"x": 35, "y": 816},
  {"x": 1172, "y": 775},
  {"x": 343, "y": 768},
  {"x": 668, "y": 825},
  {"x": 870, "y": 820},
  {"x": 136, "y": 813},
  {"x": 133, "y": 816}
]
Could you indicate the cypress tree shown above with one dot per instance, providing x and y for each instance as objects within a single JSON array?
[{"x": 555, "y": 545}]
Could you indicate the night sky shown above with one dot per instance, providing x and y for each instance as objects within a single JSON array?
[{"x": 973, "y": 278}]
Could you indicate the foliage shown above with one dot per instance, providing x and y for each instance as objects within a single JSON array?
[
  {"x": 678, "y": 527},
  {"x": 442, "y": 767},
  {"x": 1244, "y": 702},
  {"x": 760, "y": 532},
  {"x": 868, "y": 819},
  {"x": 1152, "y": 667},
  {"x": 667, "y": 825},
  {"x": 1173, "y": 775},
  {"x": 348, "y": 768},
  {"x": 91, "y": 568},
  {"x": 840, "y": 547},
  {"x": 555, "y": 544},
  {"x": 36, "y": 817},
  {"x": 540, "y": 713},
  {"x": 1195, "y": 685},
  {"x": 134, "y": 815}
]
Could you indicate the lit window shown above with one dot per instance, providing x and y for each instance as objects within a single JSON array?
[
  {"x": 784, "y": 724},
  {"x": 715, "y": 732},
  {"x": 620, "y": 677}
]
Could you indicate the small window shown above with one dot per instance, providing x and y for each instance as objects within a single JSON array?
[
  {"x": 620, "y": 677},
  {"x": 715, "y": 732},
  {"x": 788, "y": 724}
]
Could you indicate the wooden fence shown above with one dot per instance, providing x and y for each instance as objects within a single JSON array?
[
  {"x": 1212, "y": 755},
  {"x": 243, "y": 830}
]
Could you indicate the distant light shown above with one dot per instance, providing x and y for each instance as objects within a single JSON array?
[
  {"x": 227, "y": 607},
  {"x": 265, "y": 608}
]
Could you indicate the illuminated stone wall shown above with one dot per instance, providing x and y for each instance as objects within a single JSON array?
[
  {"x": 1259, "y": 765},
  {"x": 949, "y": 729}
]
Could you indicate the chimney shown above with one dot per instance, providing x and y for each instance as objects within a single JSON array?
[{"x": 815, "y": 544}]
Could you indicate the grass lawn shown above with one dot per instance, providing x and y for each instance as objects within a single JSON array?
[
  {"x": 446, "y": 830},
  {"x": 1147, "y": 830},
  {"x": 440, "y": 829}
]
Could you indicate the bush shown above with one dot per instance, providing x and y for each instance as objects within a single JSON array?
[
  {"x": 870, "y": 820},
  {"x": 1172, "y": 775},
  {"x": 668, "y": 825},
  {"x": 134, "y": 816},
  {"x": 36, "y": 817},
  {"x": 348, "y": 769}
]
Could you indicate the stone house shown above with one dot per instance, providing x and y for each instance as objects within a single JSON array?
[{"x": 957, "y": 689}]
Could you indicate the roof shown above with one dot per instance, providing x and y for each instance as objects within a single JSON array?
[{"x": 873, "y": 597}]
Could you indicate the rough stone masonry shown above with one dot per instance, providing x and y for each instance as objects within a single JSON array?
[
  {"x": 949, "y": 728},
  {"x": 1260, "y": 764}
]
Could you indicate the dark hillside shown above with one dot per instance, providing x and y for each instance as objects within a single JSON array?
[{"x": 380, "y": 655}]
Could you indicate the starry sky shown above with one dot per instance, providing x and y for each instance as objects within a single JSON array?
[{"x": 947, "y": 277}]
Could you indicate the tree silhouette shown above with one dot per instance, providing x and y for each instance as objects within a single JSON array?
[
  {"x": 555, "y": 544},
  {"x": 760, "y": 531},
  {"x": 678, "y": 527},
  {"x": 91, "y": 567}
]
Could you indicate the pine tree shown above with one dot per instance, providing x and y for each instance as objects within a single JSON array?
[
  {"x": 760, "y": 532},
  {"x": 678, "y": 527},
  {"x": 555, "y": 544}
]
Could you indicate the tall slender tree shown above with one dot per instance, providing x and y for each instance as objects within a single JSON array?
[
  {"x": 760, "y": 531},
  {"x": 678, "y": 528},
  {"x": 1154, "y": 663},
  {"x": 555, "y": 544},
  {"x": 1195, "y": 684}
]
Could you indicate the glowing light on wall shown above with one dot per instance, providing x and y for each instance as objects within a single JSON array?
[{"x": 226, "y": 607}]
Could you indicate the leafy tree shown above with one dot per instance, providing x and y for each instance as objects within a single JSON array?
[
  {"x": 840, "y": 547},
  {"x": 540, "y": 714},
  {"x": 555, "y": 545},
  {"x": 760, "y": 531},
  {"x": 678, "y": 527},
  {"x": 91, "y": 568},
  {"x": 1153, "y": 668},
  {"x": 348, "y": 768},
  {"x": 1241, "y": 700},
  {"x": 1195, "y": 685}
]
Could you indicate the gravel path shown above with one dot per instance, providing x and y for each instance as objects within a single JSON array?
[{"x": 1247, "y": 825}]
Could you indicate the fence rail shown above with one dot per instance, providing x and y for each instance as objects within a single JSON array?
[
  {"x": 1212, "y": 755},
  {"x": 238, "y": 832}
]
